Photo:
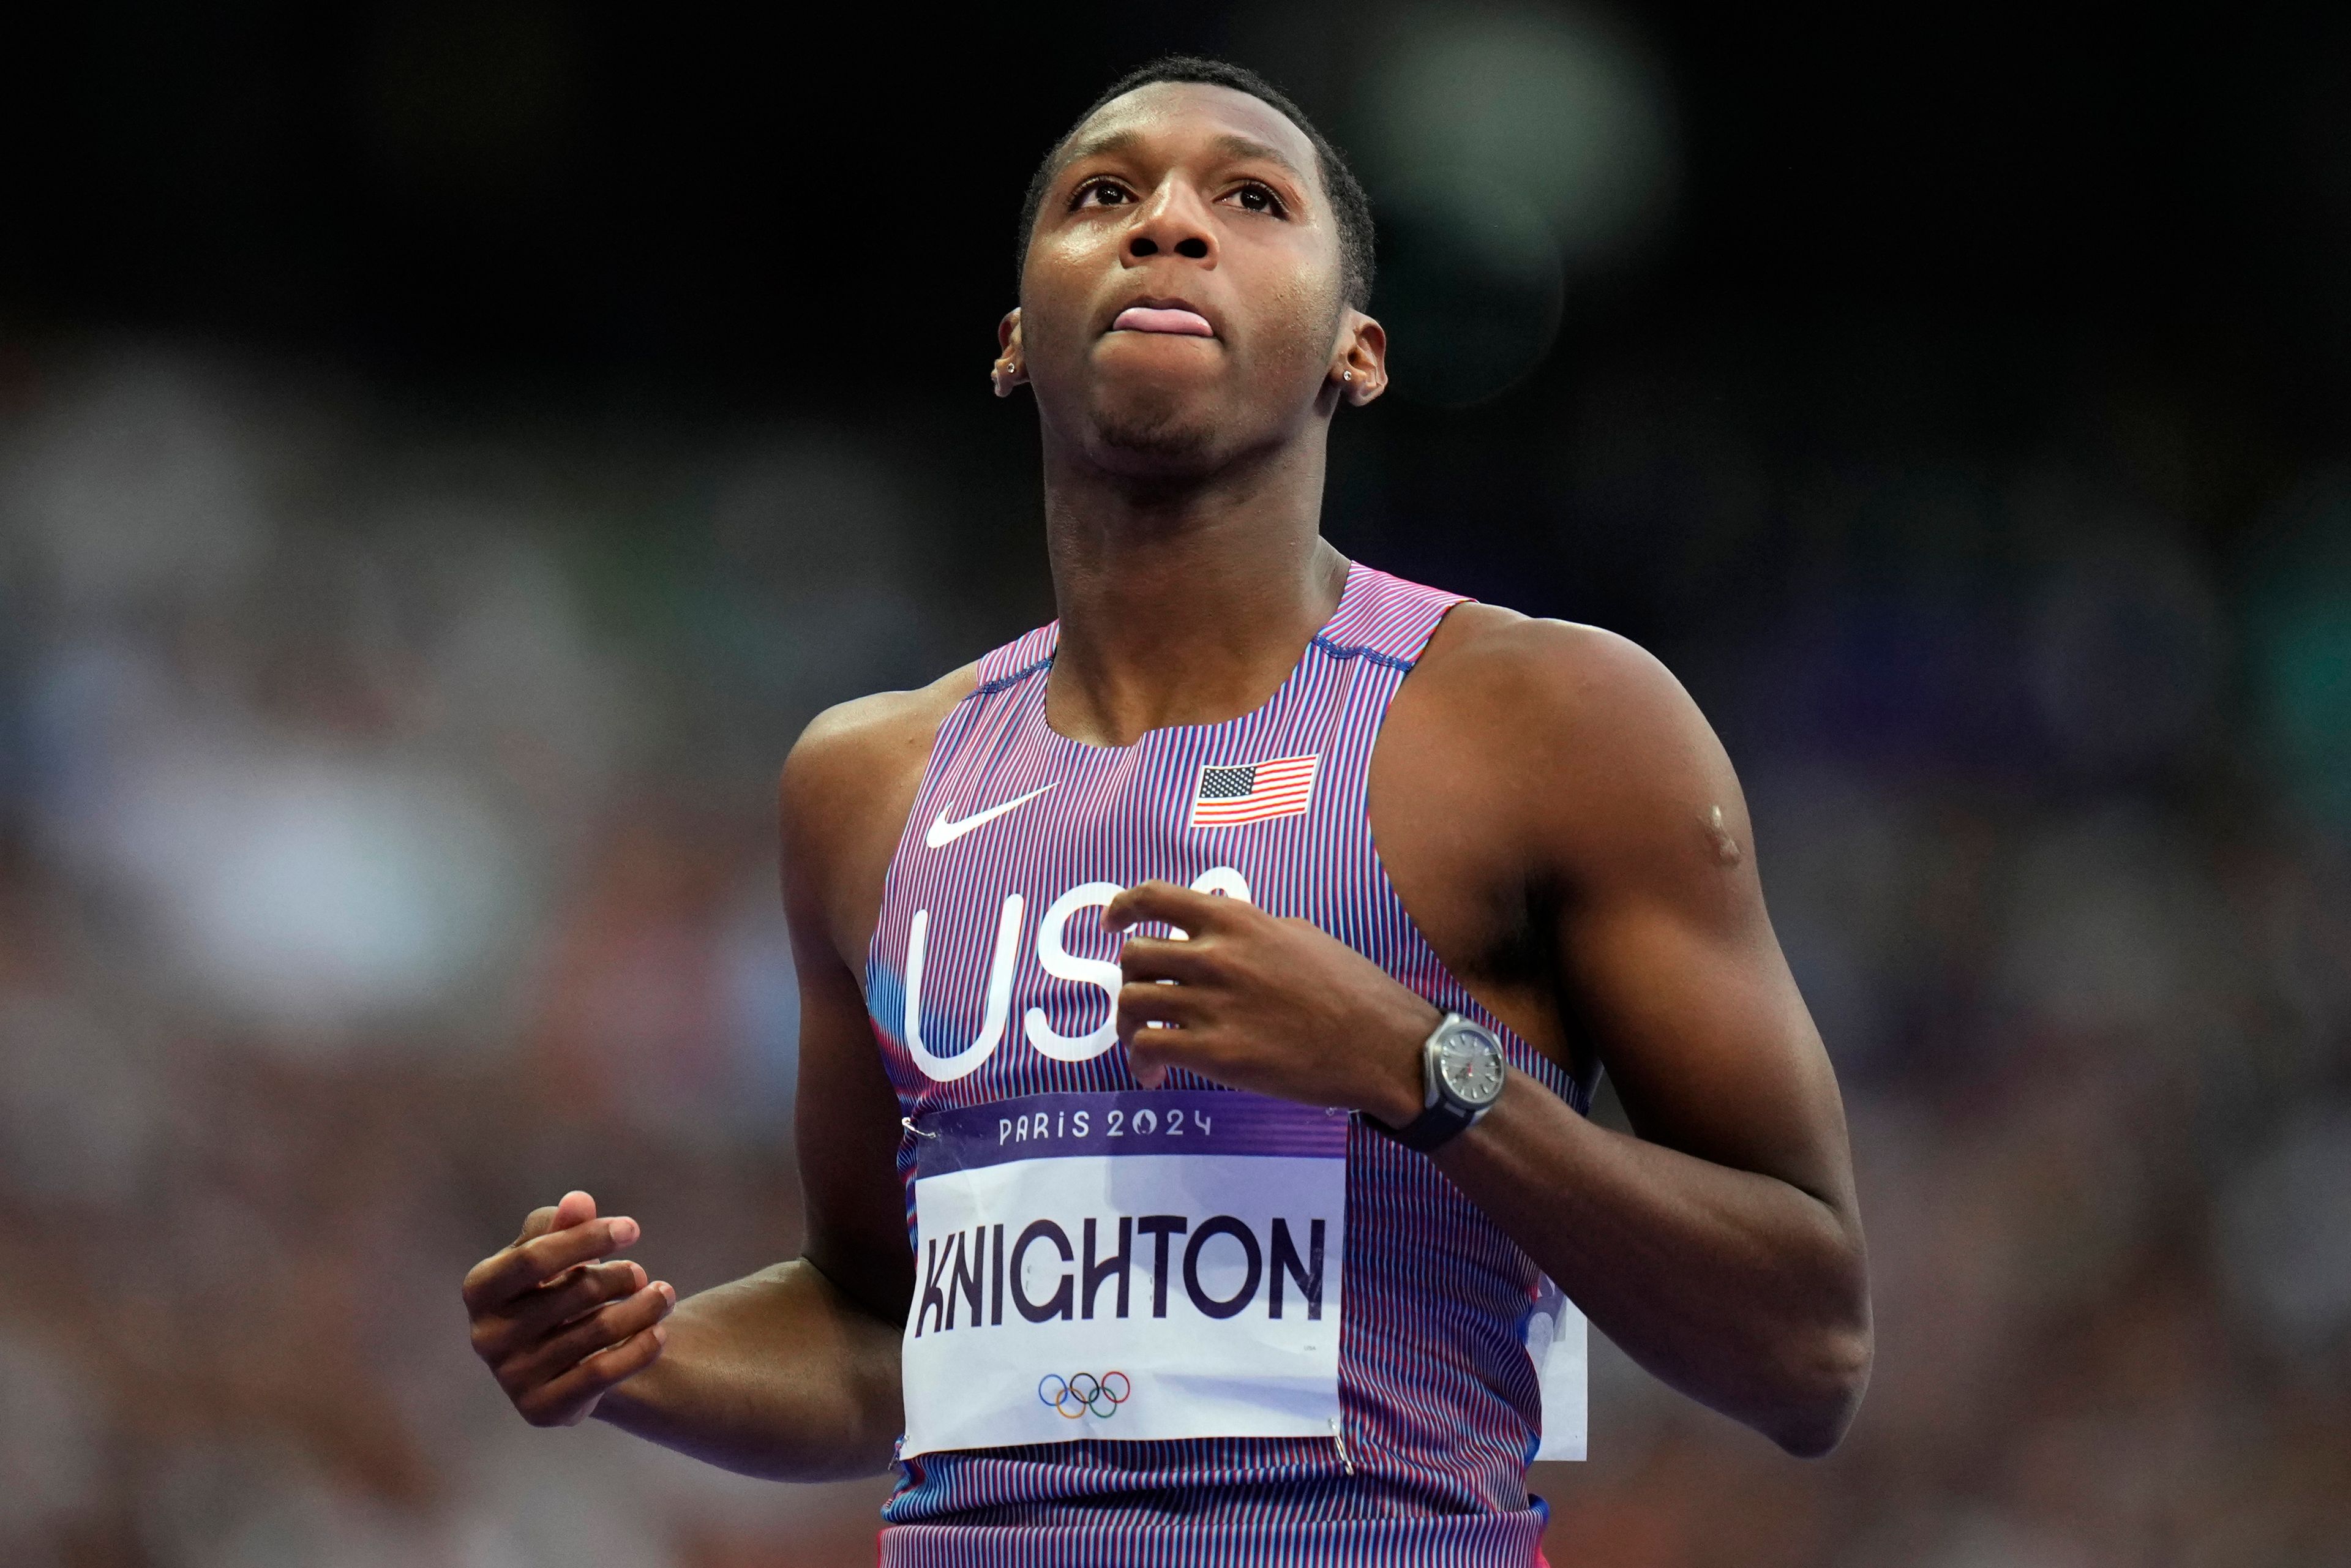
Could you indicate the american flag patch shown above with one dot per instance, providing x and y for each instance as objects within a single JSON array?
[{"x": 1252, "y": 792}]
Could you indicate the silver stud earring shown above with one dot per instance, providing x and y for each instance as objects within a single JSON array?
[{"x": 1346, "y": 375}]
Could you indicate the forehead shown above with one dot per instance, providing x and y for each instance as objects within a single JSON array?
[{"x": 1172, "y": 118}]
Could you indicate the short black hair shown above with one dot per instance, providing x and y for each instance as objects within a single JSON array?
[{"x": 1349, "y": 205}]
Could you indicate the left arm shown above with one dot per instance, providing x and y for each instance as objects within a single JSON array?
[{"x": 1721, "y": 1247}]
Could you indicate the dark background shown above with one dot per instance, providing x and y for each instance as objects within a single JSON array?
[
  {"x": 584, "y": 212},
  {"x": 447, "y": 452},
  {"x": 447, "y": 193}
]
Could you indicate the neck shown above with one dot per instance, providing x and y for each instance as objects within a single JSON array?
[{"x": 1183, "y": 600}]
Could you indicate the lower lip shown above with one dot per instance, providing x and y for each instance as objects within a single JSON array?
[{"x": 1174, "y": 323}]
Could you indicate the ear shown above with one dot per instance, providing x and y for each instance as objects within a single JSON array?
[
  {"x": 1359, "y": 364},
  {"x": 1011, "y": 369}
]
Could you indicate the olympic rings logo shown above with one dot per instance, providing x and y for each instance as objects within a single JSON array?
[{"x": 1083, "y": 1393}]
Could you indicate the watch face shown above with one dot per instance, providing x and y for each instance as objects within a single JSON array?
[{"x": 1470, "y": 1063}]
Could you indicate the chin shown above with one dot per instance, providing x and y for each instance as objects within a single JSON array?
[{"x": 1156, "y": 432}]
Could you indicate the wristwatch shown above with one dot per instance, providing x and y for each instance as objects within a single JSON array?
[{"x": 1461, "y": 1067}]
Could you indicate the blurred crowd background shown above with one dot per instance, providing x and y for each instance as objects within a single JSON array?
[{"x": 446, "y": 453}]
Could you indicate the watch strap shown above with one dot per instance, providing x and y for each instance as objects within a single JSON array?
[{"x": 1433, "y": 1128}]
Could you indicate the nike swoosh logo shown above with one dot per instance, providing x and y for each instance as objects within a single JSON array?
[{"x": 943, "y": 832}]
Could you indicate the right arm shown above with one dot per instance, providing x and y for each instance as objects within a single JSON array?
[{"x": 792, "y": 1372}]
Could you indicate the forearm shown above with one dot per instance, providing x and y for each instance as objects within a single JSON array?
[
  {"x": 1738, "y": 1289},
  {"x": 781, "y": 1374}
]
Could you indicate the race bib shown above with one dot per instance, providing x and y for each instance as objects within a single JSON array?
[{"x": 1133, "y": 1265}]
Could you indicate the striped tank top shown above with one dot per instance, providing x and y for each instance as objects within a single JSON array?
[{"x": 1438, "y": 1406}]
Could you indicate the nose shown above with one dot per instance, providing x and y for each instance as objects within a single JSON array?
[{"x": 1171, "y": 223}]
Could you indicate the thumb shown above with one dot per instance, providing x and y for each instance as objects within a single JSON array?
[{"x": 576, "y": 1208}]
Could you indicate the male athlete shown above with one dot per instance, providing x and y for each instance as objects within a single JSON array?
[{"x": 1187, "y": 1179}]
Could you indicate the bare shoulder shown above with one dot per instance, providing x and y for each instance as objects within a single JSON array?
[
  {"x": 1585, "y": 738},
  {"x": 847, "y": 745},
  {"x": 1558, "y": 683},
  {"x": 1527, "y": 669},
  {"x": 844, "y": 798}
]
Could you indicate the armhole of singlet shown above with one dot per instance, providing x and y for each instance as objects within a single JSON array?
[{"x": 1559, "y": 1080}]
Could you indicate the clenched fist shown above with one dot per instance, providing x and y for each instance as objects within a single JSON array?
[{"x": 557, "y": 1324}]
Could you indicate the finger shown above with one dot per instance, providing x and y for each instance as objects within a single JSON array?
[
  {"x": 505, "y": 1275},
  {"x": 1153, "y": 958},
  {"x": 574, "y": 1208},
  {"x": 576, "y": 1291},
  {"x": 1178, "y": 906},
  {"x": 534, "y": 1365},
  {"x": 552, "y": 1253},
  {"x": 568, "y": 1399},
  {"x": 538, "y": 1313},
  {"x": 599, "y": 1330},
  {"x": 1149, "y": 1068},
  {"x": 1151, "y": 1052},
  {"x": 1144, "y": 1002}
]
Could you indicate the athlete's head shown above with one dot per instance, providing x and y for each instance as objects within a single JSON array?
[{"x": 1195, "y": 261}]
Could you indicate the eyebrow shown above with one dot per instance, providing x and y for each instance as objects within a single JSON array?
[
  {"x": 1230, "y": 145},
  {"x": 1242, "y": 147}
]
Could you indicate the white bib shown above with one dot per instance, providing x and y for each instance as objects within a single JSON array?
[{"x": 1130, "y": 1265}]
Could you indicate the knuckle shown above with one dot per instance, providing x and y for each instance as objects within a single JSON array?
[
  {"x": 602, "y": 1372},
  {"x": 608, "y": 1326},
  {"x": 476, "y": 1281}
]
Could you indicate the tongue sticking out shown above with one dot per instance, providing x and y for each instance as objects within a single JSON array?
[{"x": 1185, "y": 323}]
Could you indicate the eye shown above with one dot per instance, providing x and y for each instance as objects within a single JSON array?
[
  {"x": 1099, "y": 192},
  {"x": 1253, "y": 197}
]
